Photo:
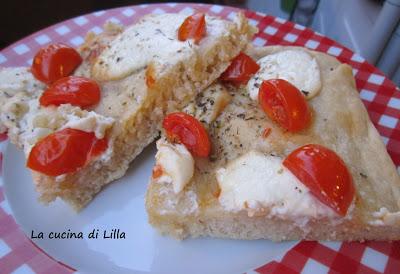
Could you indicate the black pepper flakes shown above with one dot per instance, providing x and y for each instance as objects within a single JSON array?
[
  {"x": 363, "y": 175},
  {"x": 305, "y": 92},
  {"x": 160, "y": 32},
  {"x": 201, "y": 104}
]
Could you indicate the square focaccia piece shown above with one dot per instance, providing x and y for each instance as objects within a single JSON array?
[
  {"x": 331, "y": 180},
  {"x": 143, "y": 71}
]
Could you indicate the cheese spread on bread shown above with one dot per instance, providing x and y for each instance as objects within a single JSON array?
[
  {"x": 295, "y": 66},
  {"x": 256, "y": 182},
  {"x": 176, "y": 162},
  {"x": 153, "y": 40}
]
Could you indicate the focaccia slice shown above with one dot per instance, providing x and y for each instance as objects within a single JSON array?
[
  {"x": 144, "y": 71},
  {"x": 242, "y": 191}
]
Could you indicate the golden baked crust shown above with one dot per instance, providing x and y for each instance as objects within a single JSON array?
[
  {"x": 138, "y": 109},
  {"x": 340, "y": 122}
]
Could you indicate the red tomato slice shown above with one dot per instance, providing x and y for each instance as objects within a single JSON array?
[
  {"x": 54, "y": 62},
  {"x": 325, "y": 174},
  {"x": 65, "y": 151},
  {"x": 186, "y": 129},
  {"x": 194, "y": 27},
  {"x": 284, "y": 104},
  {"x": 74, "y": 90},
  {"x": 240, "y": 70}
]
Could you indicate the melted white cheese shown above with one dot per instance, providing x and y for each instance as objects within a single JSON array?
[
  {"x": 39, "y": 122},
  {"x": 152, "y": 40},
  {"x": 91, "y": 122},
  {"x": 385, "y": 217},
  {"x": 295, "y": 66},
  {"x": 177, "y": 164},
  {"x": 260, "y": 184}
]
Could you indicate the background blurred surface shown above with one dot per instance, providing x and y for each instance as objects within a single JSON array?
[
  {"x": 20, "y": 18},
  {"x": 368, "y": 27}
]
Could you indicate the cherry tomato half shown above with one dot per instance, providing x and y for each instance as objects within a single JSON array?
[
  {"x": 194, "y": 27},
  {"x": 65, "y": 151},
  {"x": 284, "y": 104},
  {"x": 74, "y": 90},
  {"x": 240, "y": 70},
  {"x": 186, "y": 129},
  {"x": 324, "y": 173},
  {"x": 54, "y": 62}
]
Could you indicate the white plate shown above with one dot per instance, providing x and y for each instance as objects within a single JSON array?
[{"x": 121, "y": 206}]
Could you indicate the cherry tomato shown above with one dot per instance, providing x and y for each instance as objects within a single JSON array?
[
  {"x": 54, "y": 62},
  {"x": 284, "y": 104},
  {"x": 324, "y": 173},
  {"x": 240, "y": 70},
  {"x": 184, "y": 128},
  {"x": 74, "y": 90},
  {"x": 65, "y": 151},
  {"x": 194, "y": 27}
]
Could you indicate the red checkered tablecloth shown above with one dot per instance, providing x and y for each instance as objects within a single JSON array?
[{"x": 379, "y": 94}]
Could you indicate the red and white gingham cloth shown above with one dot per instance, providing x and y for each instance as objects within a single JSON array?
[{"x": 379, "y": 94}]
